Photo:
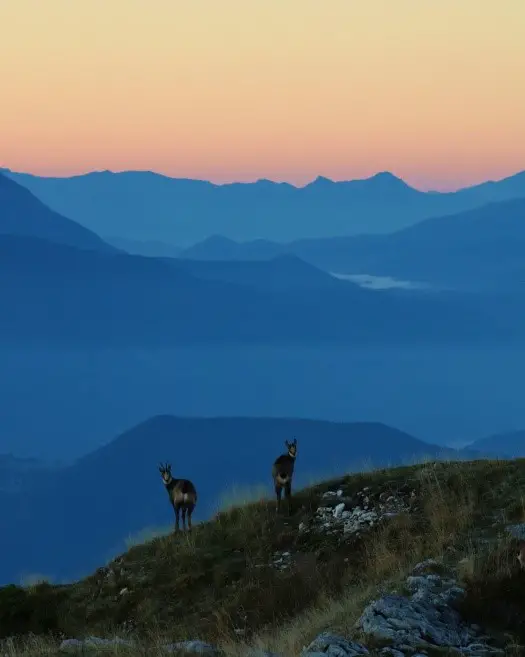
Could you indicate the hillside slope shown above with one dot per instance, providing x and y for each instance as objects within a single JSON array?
[
  {"x": 338, "y": 564},
  {"x": 84, "y": 511},
  {"x": 23, "y": 214}
]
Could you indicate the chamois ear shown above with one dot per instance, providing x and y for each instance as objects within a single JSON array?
[{"x": 287, "y": 443}]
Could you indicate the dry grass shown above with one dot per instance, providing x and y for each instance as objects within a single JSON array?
[{"x": 213, "y": 584}]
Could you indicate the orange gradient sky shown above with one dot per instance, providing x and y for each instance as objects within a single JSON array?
[{"x": 432, "y": 90}]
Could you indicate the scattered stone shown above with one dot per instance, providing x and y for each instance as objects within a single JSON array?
[
  {"x": 195, "y": 647},
  {"x": 349, "y": 516},
  {"x": 517, "y": 531},
  {"x": 391, "y": 652},
  {"x": 94, "y": 642},
  {"x": 281, "y": 560},
  {"x": 333, "y": 645},
  {"x": 426, "y": 566},
  {"x": 71, "y": 644}
]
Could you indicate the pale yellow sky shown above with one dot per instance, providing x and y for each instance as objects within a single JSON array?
[{"x": 432, "y": 90}]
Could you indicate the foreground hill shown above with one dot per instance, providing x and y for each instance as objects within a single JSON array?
[
  {"x": 86, "y": 510},
  {"x": 141, "y": 205},
  {"x": 23, "y": 214},
  {"x": 481, "y": 248},
  {"x": 338, "y": 565},
  {"x": 120, "y": 299}
]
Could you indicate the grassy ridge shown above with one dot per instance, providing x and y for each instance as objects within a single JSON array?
[{"x": 217, "y": 583}]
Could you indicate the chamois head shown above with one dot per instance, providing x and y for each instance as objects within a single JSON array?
[
  {"x": 165, "y": 472},
  {"x": 291, "y": 447}
]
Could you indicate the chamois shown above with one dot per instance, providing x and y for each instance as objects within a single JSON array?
[
  {"x": 282, "y": 473},
  {"x": 182, "y": 494}
]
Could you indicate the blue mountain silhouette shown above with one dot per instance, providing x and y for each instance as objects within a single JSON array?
[{"x": 141, "y": 205}]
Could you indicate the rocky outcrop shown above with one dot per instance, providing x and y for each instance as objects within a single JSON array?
[
  {"x": 421, "y": 620},
  {"x": 352, "y": 516},
  {"x": 415, "y": 623},
  {"x": 333, "y": 645}
]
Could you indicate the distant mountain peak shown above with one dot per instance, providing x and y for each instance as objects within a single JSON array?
[
  {"x": 387, "y": 178},
  {"x": 322, "y": 180}
]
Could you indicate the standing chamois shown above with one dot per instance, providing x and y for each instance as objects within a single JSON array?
[
  {"x": 282, "y": 473},
  {"x": 182, "y": 494}
]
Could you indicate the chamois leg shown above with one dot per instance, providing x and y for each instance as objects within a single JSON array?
[
  {"x": 190, "y": 511},
  {"x": 288, "y": 496},
  {"x": 278, "y": 493},
  {"x": 184, "y": 518},
  {"x": 177, "y": 516}
]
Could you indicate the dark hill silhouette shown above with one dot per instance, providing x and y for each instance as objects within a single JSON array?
[
  {"x": 217, "y": 247},
  {"x": 483, "y": 246},
  {"x": 480, "y": 248},
  {"x": 85, "y": 510},
  {"x": 510, "y": 444},
  {"x": 59, "y": 294},
  {"x": 22, "y": 213},
  {"x": 141, "y": 205},
  {"x": 152, "y": 248},
  {"x": 284, "y": 272}
]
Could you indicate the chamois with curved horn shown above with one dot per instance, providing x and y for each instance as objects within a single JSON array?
[
  {"x": 182, "y": 494},
  {"x": 282, "y": 474}
]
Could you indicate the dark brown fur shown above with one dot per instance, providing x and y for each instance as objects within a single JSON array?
[
  {"x": 182, "y": 494},
  {"x": 282, "y": 474}
]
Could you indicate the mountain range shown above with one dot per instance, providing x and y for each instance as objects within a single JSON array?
[
  {"x": 477, "y": 249},
  {"x": 63, "y": 294},
  {"x": 145, "y": 206},
  {"x": 83, "y": 512},
  {"x": 508, "y": 444}
]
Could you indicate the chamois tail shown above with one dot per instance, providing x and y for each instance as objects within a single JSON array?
[{"x": 283, "y": 478}]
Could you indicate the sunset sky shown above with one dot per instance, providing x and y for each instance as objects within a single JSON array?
[{"x": 432, "y": 90}]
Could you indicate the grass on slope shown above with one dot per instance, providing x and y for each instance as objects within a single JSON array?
[{"x": 217, "y": 583}]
